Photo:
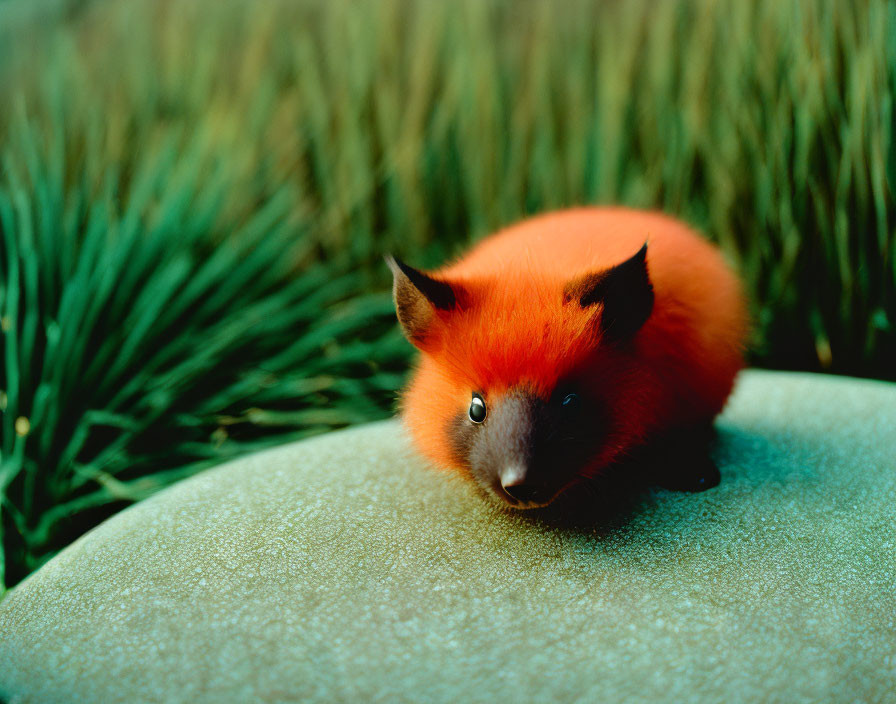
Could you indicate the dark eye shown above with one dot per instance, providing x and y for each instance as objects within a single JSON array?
[
  {"x": 477, "y": 409},
  {"x": 571, "y": 402}
]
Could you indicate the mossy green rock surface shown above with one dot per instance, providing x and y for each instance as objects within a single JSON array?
[{"x": 344, "y": 569}]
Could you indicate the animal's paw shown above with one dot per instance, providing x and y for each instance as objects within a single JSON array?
[{"x": 691, "y": 474}]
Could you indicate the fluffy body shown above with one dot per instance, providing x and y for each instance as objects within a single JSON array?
[{"x": 514, "y": 327}]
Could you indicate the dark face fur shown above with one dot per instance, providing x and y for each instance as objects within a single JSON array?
[{"x": 526, "y": 451}]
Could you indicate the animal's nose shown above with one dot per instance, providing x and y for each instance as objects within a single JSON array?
[{"x": 523, "y": 493}]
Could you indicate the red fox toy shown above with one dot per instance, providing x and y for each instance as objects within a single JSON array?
[{"x": 561, "y": 344}]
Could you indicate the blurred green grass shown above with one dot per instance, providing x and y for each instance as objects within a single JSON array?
[{"x": 195, "y": 197}]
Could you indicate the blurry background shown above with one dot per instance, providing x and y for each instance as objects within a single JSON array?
[{"x": 195, "y": 197}]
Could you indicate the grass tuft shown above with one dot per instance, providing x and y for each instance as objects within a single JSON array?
[{"x": 144, "y": 339}]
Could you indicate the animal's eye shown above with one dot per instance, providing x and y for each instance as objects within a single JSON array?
[
  {"x": 477, "y": 409},
  {"x": 571, "y": 402}
]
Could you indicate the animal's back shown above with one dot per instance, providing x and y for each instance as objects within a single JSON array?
[{"x": 691, "y": 346}]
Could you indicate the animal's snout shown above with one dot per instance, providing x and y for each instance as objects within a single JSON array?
[
  {"x": 516, "y": 484},
  {"x": 524, "y": 493}
]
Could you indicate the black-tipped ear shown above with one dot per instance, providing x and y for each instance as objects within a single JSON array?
[
  {"x": 625, "y": 292},
  {"x": 416, "y": 297}
]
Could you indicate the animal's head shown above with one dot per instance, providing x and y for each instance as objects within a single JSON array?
[{"x": 523, "y": 380}]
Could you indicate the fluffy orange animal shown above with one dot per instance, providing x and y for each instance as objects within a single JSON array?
[{"x": 561, "y": 344}]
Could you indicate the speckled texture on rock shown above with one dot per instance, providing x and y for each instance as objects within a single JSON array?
[{"x": 342, "y": 569}]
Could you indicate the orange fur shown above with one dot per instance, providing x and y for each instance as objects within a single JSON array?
[{"x": 513, "y": 328}]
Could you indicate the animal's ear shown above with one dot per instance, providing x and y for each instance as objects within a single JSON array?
[
  {"x": 417, "y": 296},
  {"x": 624, "y": 291}
]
